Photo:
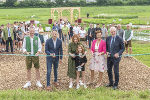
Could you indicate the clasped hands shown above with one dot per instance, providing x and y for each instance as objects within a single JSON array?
[
  {"x": 29, "y": 53},
  {"x": 116, "y": 55},
  {"x": 53, "y": 55},
  {"x": 73, "y": 55}
]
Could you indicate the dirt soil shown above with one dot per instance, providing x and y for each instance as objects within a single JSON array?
[{"x": 133, "y": 74}]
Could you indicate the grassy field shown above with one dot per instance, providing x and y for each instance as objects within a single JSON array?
[
  {"x": 87, "y": 94},
  {"x": 43, "y": 14},
  {"x": 140, "y": 47}
]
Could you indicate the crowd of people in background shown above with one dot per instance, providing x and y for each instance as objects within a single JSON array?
[
  {"x": 105, "y": 40},
  {"x": 86, "y": 32}
]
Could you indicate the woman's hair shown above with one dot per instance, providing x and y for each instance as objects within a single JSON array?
[
  {"x": 75, "y": 36},
  {"x": 98, "y": 32},
  {"x": 83, "y": 51}
]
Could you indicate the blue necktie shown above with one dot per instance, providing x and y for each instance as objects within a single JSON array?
[
  {"x": 112, "y": 45},
  {"x": 8, "y": 32}
]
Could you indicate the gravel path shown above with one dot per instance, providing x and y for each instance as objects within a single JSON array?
[{"x": 133, "y": 74}]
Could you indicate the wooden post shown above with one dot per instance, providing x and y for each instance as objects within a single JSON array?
[
  {"x": 71, "y": 15},
  {"x": 79, "y": 12},
  {"x": 51, "y": 13},
  {"x": 60, "y": 11}
]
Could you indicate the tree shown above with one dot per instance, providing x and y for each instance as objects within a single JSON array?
[
  {"x": 10, "y": 3},
  {"x": 102, "y": 2},
  {"x": 59, "y": 2}
]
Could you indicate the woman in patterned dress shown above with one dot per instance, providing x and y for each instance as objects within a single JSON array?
[{"x": 98, "y": 62}]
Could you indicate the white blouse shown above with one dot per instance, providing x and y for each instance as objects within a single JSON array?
[
  {"x": 36, "y": 30},
  {"x": 97, "y": 46},
  {"x": 82, "y": 33}
]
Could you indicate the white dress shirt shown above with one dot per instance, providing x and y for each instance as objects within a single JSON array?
[
  {"x": 82, "y": 33},
  {"x": 32, "y": 51},
  {"x": 131, "y": 36},
  {"x": 76, "y": 30},
  {"x": 36, "y": 29},
  {"x": 9, "y": 32}
]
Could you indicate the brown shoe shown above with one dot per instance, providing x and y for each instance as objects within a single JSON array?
[
  {"x": 98, "y": 85},
  {"x": 56, "y": 84},
  {"x": 48, "y": 88},
  {"x": 90, "y": 83}
]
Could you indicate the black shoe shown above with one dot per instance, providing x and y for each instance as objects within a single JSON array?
[
  {"x": 109, "y": 85},
  {"x": 115, "y": 87}
]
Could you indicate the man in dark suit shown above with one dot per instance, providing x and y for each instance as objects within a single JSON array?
[
  {"x": 115, "y": 48},
  {"x": 53, "y": 47},
  {"x": 8, "y": 37},
  {"x": 91, "y": 35}
]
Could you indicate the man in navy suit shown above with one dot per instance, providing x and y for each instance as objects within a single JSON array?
[
  {"x": 115, "y": 48},
  {"x": 53, "y": 48}
]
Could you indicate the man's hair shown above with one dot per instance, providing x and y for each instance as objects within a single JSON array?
[
  {"x": 32, "y": 29},
  {"x": 54, "y": 30},
  {"x": 112, "y": 28},
  {"x": 119, "y": 25},
  {"x": 129, "y": 25}
]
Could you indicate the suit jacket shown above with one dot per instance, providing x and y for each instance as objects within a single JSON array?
[
  {"x": 49, "y": 48},
  {"x": 92, "y": 31},
  {"x": 102, "y": 46},
  {"x": 118, "y": 46},
  {"x": 6, "y": 34}
]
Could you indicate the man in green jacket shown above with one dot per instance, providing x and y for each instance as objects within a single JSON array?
[
  {"x": 32, "y": 46},
  {"x": 8, "y": 37}
]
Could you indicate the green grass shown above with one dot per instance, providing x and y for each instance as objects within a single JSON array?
[
  {"x": 140, "y": 47},
  {"x": 102, "y": 93},
  {"x": 43, "y": 14},
  {"x": 82, "y": 94}
]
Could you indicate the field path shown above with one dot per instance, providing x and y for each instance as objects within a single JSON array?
[{"x": 133, "y": 74}]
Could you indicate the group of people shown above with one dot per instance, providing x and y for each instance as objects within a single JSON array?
[
  {"x": 100, "y": 42},
  {"x": 88, "y": 32},
  {"x": 13, "y": 35}
]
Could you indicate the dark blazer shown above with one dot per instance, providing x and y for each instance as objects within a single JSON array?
[
  {"x": 118, "y": 46},
  {"x": 92, "y": 31},
  {"x": 49, "y": 48}
]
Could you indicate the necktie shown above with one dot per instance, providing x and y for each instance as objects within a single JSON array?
[
  {"x": 112, "y": 44},
  {"x": 8, "y": 32}
]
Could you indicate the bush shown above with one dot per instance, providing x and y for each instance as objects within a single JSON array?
[
  {"x": 118, "y": 16},
  {"x": 60, "y": 3},
  {"x": 116, "y": 21}
]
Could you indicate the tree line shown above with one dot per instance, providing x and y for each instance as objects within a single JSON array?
[{"x": 68, "y": 3}]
